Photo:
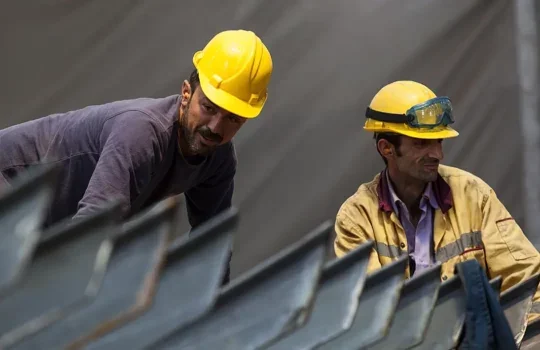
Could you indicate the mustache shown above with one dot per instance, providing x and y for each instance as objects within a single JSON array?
[
  {"x": 208, "y": 134},
  {"x": 431, "y": 161}
]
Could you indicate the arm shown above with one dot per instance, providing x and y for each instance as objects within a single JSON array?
[
  {"x": 353, "y": 228},
  {"x": 211, "y": 197},
  {"x": 130, "y": 149},
  {"x": 509, "y": 253}
]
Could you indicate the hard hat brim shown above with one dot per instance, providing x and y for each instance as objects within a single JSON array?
[
  {"x": 427, "y": 134},
  {"x": 228, "y": 101}
]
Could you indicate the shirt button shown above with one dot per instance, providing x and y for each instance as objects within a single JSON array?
[
  {"x": 444, "y": 278},
  {"x": 402, "y": 245}
]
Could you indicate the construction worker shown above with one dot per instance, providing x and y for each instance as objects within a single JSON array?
[
  {"x": 432, "y": 212},
  {"x": 139, "y": 151}
]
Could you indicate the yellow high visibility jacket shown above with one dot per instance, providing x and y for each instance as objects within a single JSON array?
[{"x": 471, "y": 224}]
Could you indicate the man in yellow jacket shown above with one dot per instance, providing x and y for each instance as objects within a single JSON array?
[{"x": 432, "y": 212}]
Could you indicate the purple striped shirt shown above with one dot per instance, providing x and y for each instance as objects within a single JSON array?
[{"x": 419, "y": 238}]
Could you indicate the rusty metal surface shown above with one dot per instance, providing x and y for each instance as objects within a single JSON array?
[
  {"x": 188, "y": 286},
  {"x": 128, "y": 285},
  {"x": 66, "y": 270}
]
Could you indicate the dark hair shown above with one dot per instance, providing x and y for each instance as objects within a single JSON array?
[
  {"x": 194, "y": 80},
  {"x": 394, "y": 139}
]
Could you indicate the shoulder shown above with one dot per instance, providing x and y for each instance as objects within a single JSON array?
[
  {"x": 361, "y": 203},
  {"x": 463, "y": 181},
  {"x": 157, "y": 113}
]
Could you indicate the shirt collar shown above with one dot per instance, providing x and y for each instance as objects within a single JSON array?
[{"x": 437, "y": 193}]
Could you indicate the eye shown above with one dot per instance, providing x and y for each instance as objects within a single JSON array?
[
  {"x": 208, "y": 108},
  {"x": 420, "y": 143},
  {"x": 235, "y": 119}
]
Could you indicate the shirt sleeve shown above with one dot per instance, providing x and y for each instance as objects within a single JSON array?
[
  {"x": 130, "y": 150},
  {"x": 509, "y": 253},
  {"x": 354, "y": 228}
]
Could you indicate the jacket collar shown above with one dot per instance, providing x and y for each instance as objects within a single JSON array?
[{"x": 441, "y": 190}]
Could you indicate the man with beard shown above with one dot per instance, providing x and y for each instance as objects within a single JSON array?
[
  {"x": 432, "y": 212},
  {"x": 140, "y": 151}
]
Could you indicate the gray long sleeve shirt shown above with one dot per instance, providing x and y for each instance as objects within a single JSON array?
[{"x": 111, "y": 152}]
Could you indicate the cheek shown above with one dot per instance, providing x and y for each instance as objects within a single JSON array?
[
  {"x": 196, "y": 120},
  {"x": 230, "y": 131}
]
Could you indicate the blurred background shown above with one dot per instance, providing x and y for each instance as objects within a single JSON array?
[{"x": 307, "y": 151}]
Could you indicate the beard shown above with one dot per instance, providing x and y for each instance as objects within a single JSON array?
[{"x": 196, "y": 147}]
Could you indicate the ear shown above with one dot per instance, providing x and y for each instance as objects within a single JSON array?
[
  {"x": 186, "y": 93},
  {"x": 385, "y": 148}
]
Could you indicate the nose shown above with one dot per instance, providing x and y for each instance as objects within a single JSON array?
[
  {"x": 216, "y": 124},
  {"x": 436, "y": 151}
]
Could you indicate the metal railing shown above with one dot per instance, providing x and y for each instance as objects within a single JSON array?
[{"x": 98, "y": 283}]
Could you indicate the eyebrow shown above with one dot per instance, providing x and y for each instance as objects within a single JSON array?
[{"x": 207, "y": 100}]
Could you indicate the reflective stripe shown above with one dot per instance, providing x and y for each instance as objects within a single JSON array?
[
  {"x": 389, "y": 251},
  {"x": 535, "y": 308},
  {"x": 465, "y": 242}
]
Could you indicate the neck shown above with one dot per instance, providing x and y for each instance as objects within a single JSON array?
[
  {"x": 182, "y": 143},
  {"x": 409, "y": 190}
]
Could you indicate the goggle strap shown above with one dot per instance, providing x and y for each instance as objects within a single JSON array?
[{"x": 386, "y": 117}]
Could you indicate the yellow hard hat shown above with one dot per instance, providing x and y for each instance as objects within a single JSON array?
[
  {"x": 234, "y": 71},
  {"x": 412, "y": 109}
]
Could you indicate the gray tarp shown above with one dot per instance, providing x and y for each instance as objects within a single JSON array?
[{"x": 307, "y": 152}]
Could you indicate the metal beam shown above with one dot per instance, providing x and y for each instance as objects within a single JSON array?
[
  {"x": 128, "y": 285},
  {"x": 22, "y": 212},
  {"x": 376, "y": 308},
  {"x": 270, "y": 300},
  {"x": 342, "y": 283},
  {"x": 517, "y": 303},
  {"x": 188, "y": 286},
  {"x": 66, "y": 270},
  {"x": 413, "y": 312}
]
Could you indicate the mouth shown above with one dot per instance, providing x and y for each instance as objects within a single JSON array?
[
  {"x": 207, "y": 141},
  {"x": 432, "y": 166}
]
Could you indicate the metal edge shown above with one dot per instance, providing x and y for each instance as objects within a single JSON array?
[
  {"x": 449, "y": 286},
  {"x": 435, "y": 298},
  {"x": 396, "y": 266},
  {"x": 23, "y": 185},
  {"x": 69, "y": 228},
  {"x": 146, "y": 292},
  {"x": 40, "y": 322},
  {"x": 496, "y": 284},
  {"x": 354, "y": 294},
  {"x": 46, "y": 175},
  {"x": 166, "y": 209},
  {"x": 419, "y": 280},
  {"x": 29, "y": 328},
  {"x": 533, "y": 330},
  {"x": 337, "y": 265},
  {"x": 517, "y": 290},
  {"x": 387, "y": 271},
  {"x": 321, "y": 235},
  {"x": 227, "y": 220}
]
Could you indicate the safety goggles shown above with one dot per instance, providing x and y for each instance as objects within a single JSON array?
[{"x": 430, "y": 114}]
